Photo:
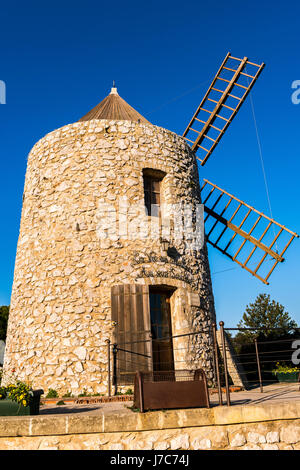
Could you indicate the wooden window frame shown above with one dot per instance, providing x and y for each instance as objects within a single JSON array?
[{"x": 152, "y": 180}]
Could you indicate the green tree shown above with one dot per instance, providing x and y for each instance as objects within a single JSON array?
[
  {"x": 264, "y": 313},
  {"x": 4, "y": 312}
]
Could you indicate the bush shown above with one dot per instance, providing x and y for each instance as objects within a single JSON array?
[
  {"x": 3, "y": 393},
  {"x": 52, "y": 393},
  {"x": 4, "y": 312},
  {"x": 284, "y": 369},
  {"x": 19, "y": 392}
]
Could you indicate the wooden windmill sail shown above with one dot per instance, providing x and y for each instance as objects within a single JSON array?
[{"x": 248, "y": 237}]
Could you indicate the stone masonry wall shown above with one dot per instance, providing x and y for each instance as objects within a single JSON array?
[
  {"x": 249, "y": 427},
  {"x": 60, "y": 305},
  {"x": 282, "y": 435}
]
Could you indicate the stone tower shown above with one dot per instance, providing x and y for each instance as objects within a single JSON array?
[{"x": 85, "y": 259}]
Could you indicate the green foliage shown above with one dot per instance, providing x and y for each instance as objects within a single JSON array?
[
  {"x": 60, "y": 402},
  {"x": 284, "y": 369},
  {"x": 19, "y": 392},
  {"x": 3, "y": 393},
  {"x": 274, "y": 330},
  {"x": 52, "y": 393},
  {"x": 132, "y": 408},
  {"x": 129, "y": 391},
  {"x": 4, "y": 312},
  {"x": 264, "y": 313}
]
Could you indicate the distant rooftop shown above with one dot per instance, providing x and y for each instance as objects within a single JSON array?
[{"x": 113, "y": 107}]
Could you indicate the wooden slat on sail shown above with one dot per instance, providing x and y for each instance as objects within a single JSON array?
[
  {"x": 244, "y": 234},
  {"x": 223, "y": 99}
]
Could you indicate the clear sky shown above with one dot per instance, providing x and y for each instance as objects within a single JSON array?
[{"x": 58, "y": 60}]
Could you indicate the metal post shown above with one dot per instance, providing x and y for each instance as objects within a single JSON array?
[
  {"x": 225, "y": 362},
  {"x": 115, "y": 382},
  {"x": 108, "y": 368},
  {"x": 258, "y": 366},
  {"x": 214, "y": 326},
  {"x": 141, "y": 393}
]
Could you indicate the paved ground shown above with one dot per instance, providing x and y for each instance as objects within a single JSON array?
[
  {"x": 95, "y": 408},
  {"x": 271, "y": 394}
]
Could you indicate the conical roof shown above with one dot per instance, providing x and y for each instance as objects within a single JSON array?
[{"x": 113, "y": 107}]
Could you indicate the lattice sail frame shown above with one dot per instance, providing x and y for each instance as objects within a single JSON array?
[
  {"x": 256, "y": 232},
  {"x": 220, "y": 104}
]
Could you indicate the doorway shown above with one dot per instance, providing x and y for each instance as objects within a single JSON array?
[{"x": 161, "y": 328}]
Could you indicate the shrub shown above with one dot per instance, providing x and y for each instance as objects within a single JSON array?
[
  {"x": 3, "y": 393},
  {"x": 19, "y": 392},
  {"x": 52, "y": 393},
  {"x": 284, "y": 369}
]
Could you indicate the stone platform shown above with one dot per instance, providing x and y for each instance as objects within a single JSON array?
[{"x": 248, "y": 424}]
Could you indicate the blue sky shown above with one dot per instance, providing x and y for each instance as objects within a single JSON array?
[{"x": 58, "y": 60}]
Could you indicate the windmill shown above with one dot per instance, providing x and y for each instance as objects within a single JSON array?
[
  {"x": 248, "y": 237},
  {"x": 71, "y": 293}
]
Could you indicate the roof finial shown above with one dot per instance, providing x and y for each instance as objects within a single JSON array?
[{"x": 114, "y": 89}]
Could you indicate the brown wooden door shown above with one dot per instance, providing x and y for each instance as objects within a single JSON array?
[
  {"x": 161, "y": 329},
  {"x": 130, "y": 311}
]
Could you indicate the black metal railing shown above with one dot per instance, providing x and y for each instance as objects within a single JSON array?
[{"x": 252, "y": 359}]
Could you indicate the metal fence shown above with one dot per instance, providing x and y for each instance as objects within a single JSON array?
[
  {"x": 258, "y": 354},
  {"x": 164, "y": 354},
  {"x": 248, "y": 357}
]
